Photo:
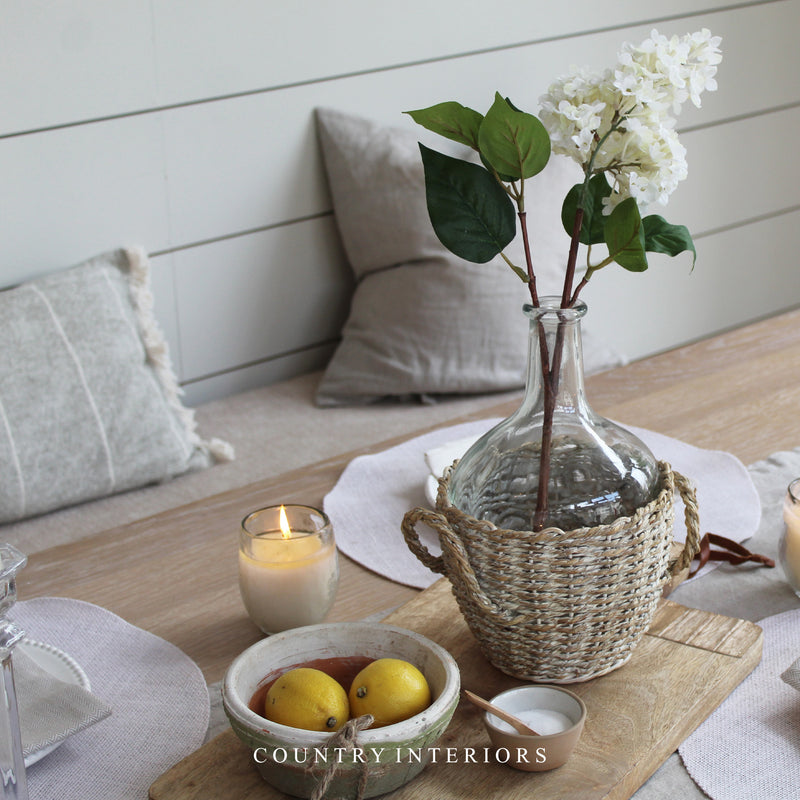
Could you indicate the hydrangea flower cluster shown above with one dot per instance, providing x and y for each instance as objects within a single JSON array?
[{"x": 622, "y": 121}]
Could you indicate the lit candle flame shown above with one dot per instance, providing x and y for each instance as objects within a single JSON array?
[{"x": 286, "y": 531}]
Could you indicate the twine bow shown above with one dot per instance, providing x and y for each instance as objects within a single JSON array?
[{"x": 345, "y": 740}]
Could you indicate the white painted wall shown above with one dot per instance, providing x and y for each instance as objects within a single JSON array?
[{"x": 187, "y": 127}]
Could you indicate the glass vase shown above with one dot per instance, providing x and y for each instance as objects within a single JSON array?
[{"x": 554, "y": 462}]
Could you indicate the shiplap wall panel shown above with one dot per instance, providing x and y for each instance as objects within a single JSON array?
[
  {"x": 279, "y": 259},
  {"x": 191, "y": 175},
  {"x": 63, "y": 62},
  {"x": 261, "y": 373},
  {"x": 718, "y": 192},
  {"x": 237, "y": 297},
  {"x": 70, "y": 193},
  {"x": 261, "y": 156},
  {"x": 90, "y": 58},
  {"x": 236, "y": 165},
  {"x": 739, "y": 275}
]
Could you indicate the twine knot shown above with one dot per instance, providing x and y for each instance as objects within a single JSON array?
[{"x": 345, "y": 740}]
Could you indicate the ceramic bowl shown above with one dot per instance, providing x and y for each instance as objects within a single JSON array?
[
  {"x": 293, "y": 760},
  {"x": 555, "y": 713}
]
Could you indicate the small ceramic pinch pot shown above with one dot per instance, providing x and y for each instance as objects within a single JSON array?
[
  {"x": 556, "y": 714},
  {"x": 294, "y": 760}
]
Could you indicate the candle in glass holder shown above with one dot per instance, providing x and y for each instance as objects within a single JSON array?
[
  {"x": 288, "y": 567},
  {"x": 789, "y": 550}
]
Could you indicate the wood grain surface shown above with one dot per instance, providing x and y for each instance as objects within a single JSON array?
[
  {"x": 175, "y": 574},
  {"x": 636, "y": 716}
]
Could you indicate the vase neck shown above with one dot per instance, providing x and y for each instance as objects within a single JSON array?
[{"x": 555, "y": 353}]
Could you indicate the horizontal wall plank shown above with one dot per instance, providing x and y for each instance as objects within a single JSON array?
[
  {"x": 70, "y": 194},
  {"x": 243, "y": 299},
  {"x": 723, "y": 187},
  {"x": 278, "y": 44},
  {"x": 88, "y": 58},
  {"x": 741, "y": 275},
  {"x": 252, "y": 376},
  {"x": 63, "y": 62}
]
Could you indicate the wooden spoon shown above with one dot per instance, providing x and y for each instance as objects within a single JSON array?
[{"x": 515, "y": 722}]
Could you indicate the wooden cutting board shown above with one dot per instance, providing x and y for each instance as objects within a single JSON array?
[{"x": 683, "y": 668}]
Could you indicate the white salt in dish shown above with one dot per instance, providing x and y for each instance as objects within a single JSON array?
[{"x": 556, "y": 714}]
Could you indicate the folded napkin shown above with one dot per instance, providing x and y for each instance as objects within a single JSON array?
[
  {"x": 440, "y": 458},
  {"x": 50, "y": 709},
  {"x": 792, "y": 675}
]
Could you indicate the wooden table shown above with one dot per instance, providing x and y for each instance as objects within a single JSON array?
[{"x": 175, "y": 574}]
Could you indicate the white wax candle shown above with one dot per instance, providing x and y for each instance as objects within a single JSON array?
[
  {"x": 790, "y": 550},
  {"x": 288, "y": 581},
  {"x": 542, "y": 720}
]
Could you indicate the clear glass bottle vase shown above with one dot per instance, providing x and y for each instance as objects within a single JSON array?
[{"x": 592, "y": 470}]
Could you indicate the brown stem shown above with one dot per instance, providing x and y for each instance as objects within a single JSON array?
[
  {"x": 550, "y": 380},
  {"x": 569, "y": 277},
  {"x": 523, "y": 223},
  {"x": 574, "y": 298}
]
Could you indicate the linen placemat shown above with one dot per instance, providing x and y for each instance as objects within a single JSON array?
[
  {"x": 374, "y": 492},
  {"x": 750, "y": 592},
  {"x": 158, "y": 698},
  {"x": 749, "y": 747}
]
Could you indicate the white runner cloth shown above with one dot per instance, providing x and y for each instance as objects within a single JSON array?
[
  {"x": 374, "y": 492},
  {"x": 750, "y": 746},
  {"x": 158, "y": 697}
]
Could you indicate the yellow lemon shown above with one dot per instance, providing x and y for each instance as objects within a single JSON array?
[
  {"x": 309, "y": 699},
  {"x": 391, "y": 690}
]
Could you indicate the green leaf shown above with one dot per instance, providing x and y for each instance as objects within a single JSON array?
[
  {"x": 451, "y": 120},
  {"x": 625, "y": 236},
  {"x": 593, "y": 219},
  {"x": 516, "y": 144},
  {"x": 661, "y": 237},
  {"x": 469, "y": 210}
]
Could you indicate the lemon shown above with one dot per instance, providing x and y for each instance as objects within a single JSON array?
[
  {"x": 391, "y": 690},
  {"x": 307, "y": 698}
]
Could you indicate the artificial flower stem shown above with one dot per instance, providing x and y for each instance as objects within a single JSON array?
[
  {"x": 547, "y": 434},
  {"x": 551, "y": 373},
  {"x": 572, "y": 259},
  {"x": 528, "y": 260}
]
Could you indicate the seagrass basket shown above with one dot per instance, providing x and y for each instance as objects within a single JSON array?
[{"x": 559, "y": 606}]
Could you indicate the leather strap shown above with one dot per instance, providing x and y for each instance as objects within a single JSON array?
[{"x": 733, "y": 553}]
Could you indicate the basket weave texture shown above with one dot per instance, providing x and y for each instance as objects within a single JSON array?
[{"x": 558, "y": 606}]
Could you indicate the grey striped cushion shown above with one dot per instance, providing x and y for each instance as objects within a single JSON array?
[{"x": 88, "y": 403}]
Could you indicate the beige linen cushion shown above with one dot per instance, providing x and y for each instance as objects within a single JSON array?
[
  {"x": 88, "y": 402},
  {"x": 422, "y": 321}
]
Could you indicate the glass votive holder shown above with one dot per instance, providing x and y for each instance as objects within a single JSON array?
[
  {"x": 288, "y": 566},
  {"x": 789, "y": 548}
]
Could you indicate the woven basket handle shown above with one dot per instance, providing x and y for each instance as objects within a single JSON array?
[
  {"x": 455, "y": 549},
  {"x": 691, "y": 516},
  {"x": 434, "y": 521}
]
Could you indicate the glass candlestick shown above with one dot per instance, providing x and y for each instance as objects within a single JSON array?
[{"x": 12, "y": 764}]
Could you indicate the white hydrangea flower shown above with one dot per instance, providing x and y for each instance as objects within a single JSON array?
[{"x": 621, "y": 121}]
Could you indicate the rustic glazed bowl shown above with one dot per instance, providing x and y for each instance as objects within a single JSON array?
[
  {"x": 293, "y": 760},
  {"x": 535, "y": 753}
]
